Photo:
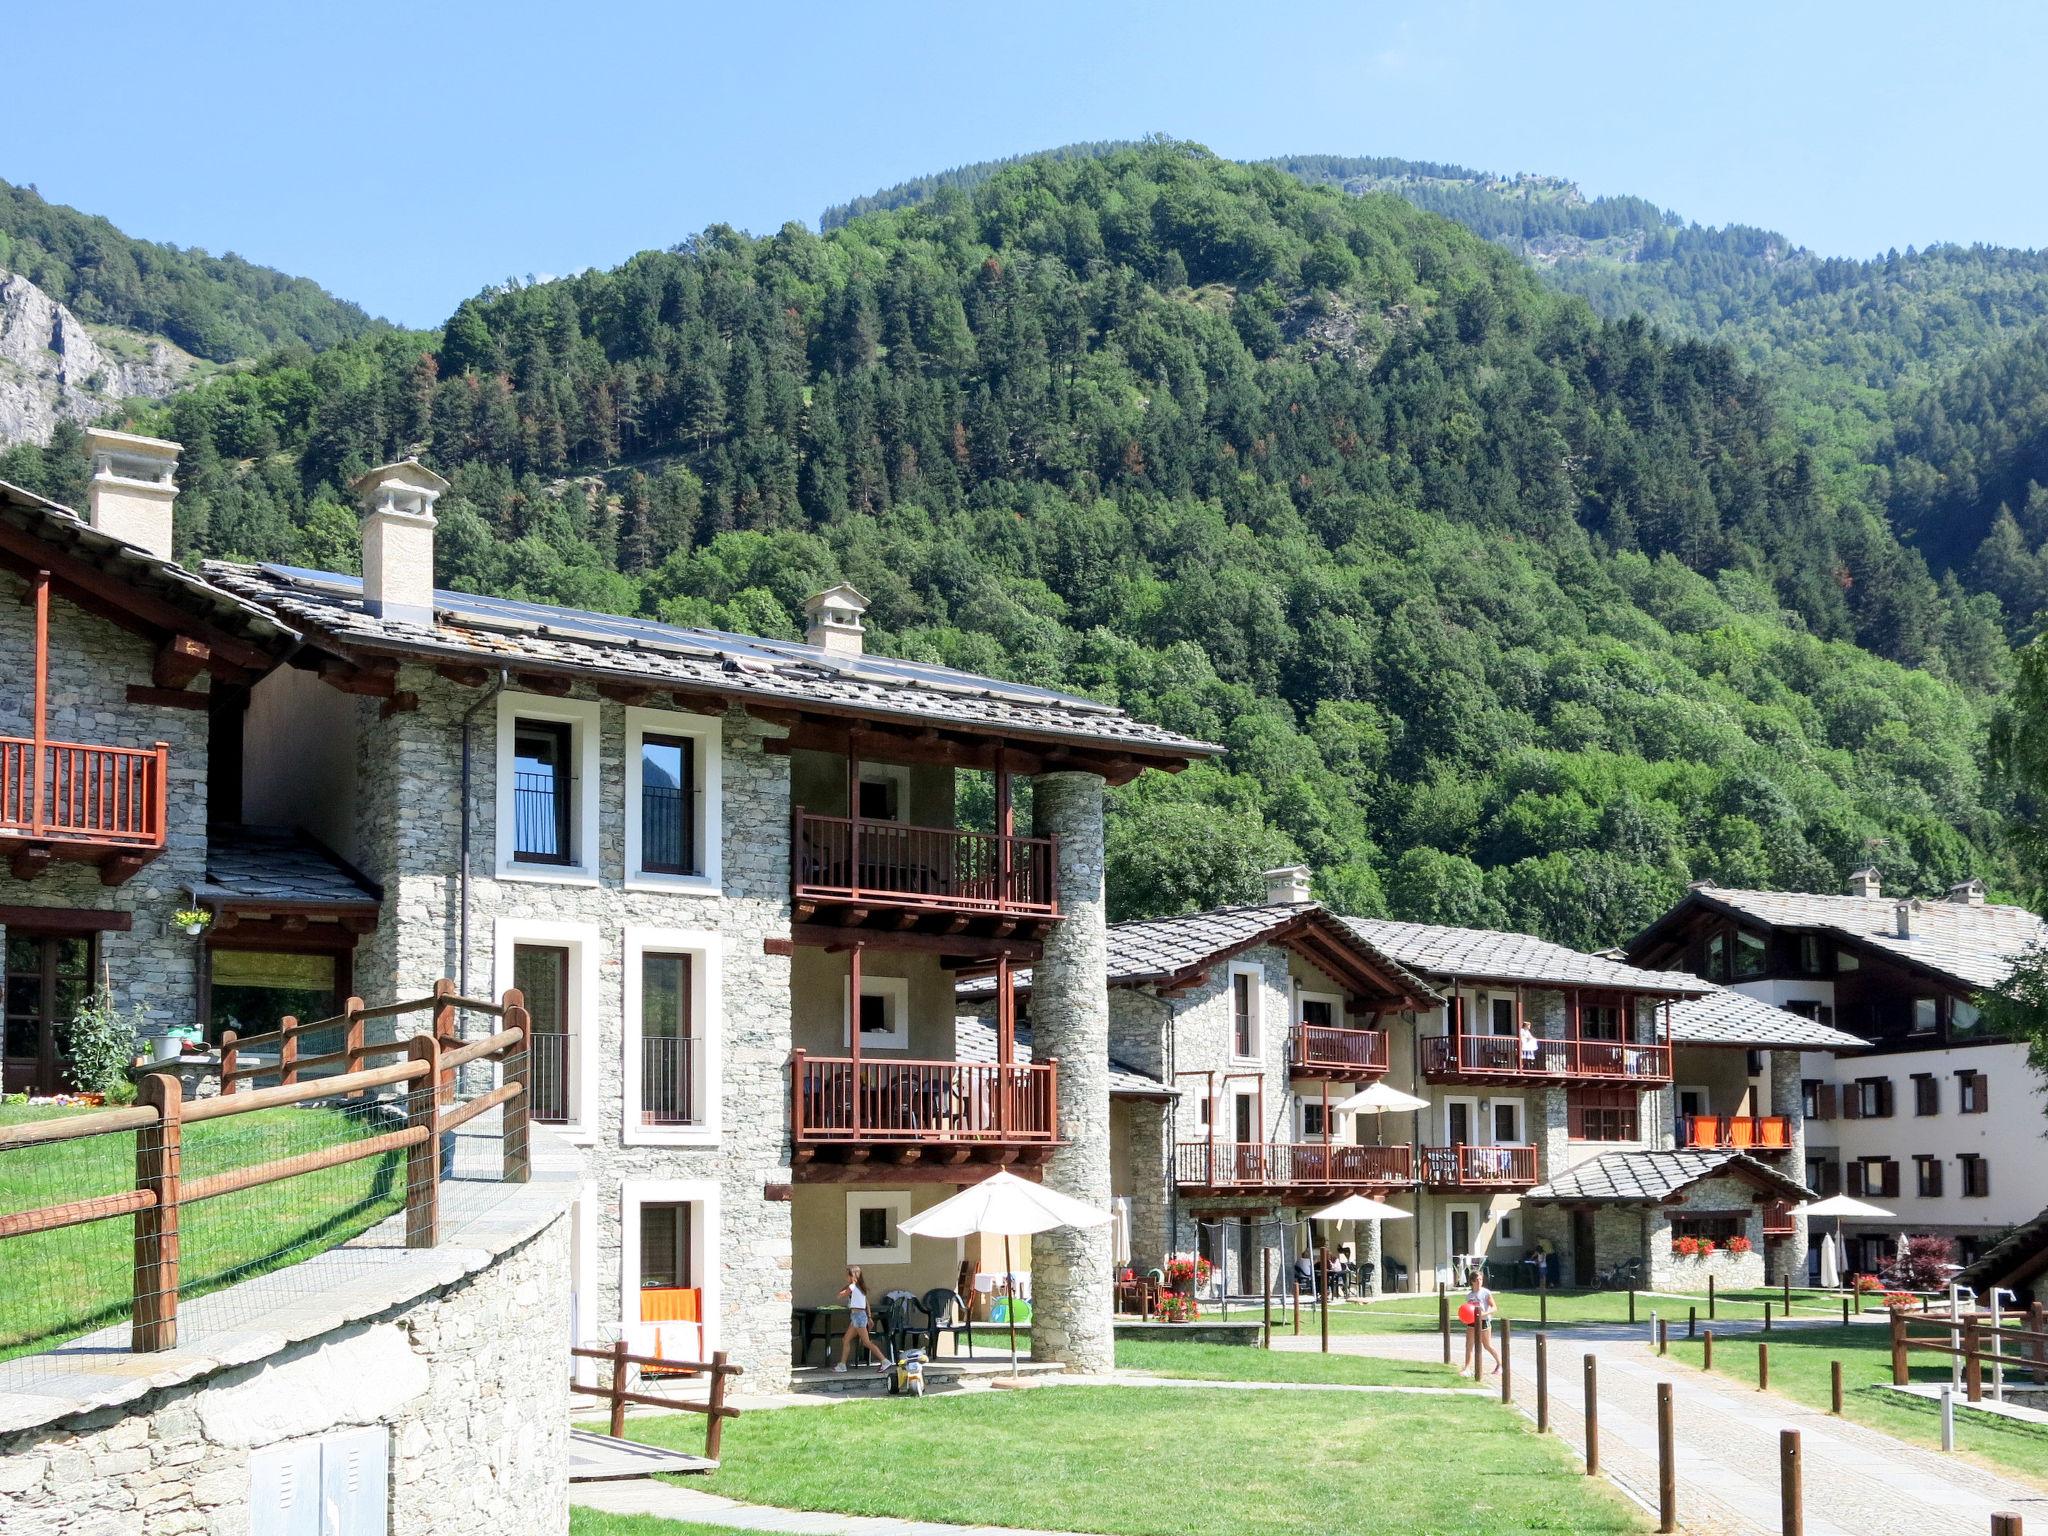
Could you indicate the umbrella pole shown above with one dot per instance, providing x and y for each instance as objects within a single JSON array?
[
  {"x": 1325, "y": 1297},
  {"x": 1010, "y": 1279}
]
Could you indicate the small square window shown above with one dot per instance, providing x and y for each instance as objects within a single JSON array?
[
  {"x": 874, "y": 1229},
  {"x": 1926, "y": 1015},
  {"x": 884, "y": 1013}
]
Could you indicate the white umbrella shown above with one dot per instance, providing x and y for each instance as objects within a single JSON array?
[
  {"x": 1830, "y": 1270},
  {"x": 1360, "y": 1208},
  {"x": 1839, "y": 1206},
  {"x": 1120, "y": 1230},
  {"x": 1379, "y": 1099},
  {"x": 1003, "y": 1203}
]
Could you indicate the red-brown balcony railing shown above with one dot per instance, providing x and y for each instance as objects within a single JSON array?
[
  {"x": 1742, "y": 1133},
  {"x": 1778, "y": 1219},
  {"x": 1468, "y": 1167},
  {"x": 1278, "y": 1164},
  {"x": 836, "y": 1099},
  {"x": 946, "y": 869},
  {"x": 1322, "y": 1048},
  {"x": 1507, "y": 1056},
  {"x": 71, "y": 792}
]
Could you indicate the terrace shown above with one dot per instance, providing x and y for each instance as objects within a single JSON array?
[
  {"x": 1740, "y": 1133},
  {"x": 1347, "y": 1055},
  {"x": 1467, "y": 1058},
  {"x": 1464, "y": 1166},
  {"x": 846, "y": 1113},
  {"x": 1299, "y": 1170}
]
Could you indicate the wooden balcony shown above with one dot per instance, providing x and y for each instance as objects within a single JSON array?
[
  {"x": 854, "y": 872},
  {"x": 1778, "y": 1221},
  {"x": 917, "y": 1119},
  {"x": 1468, "y": 1167},
  {"x": 1502, "y": 1059},
  {"x": 1739, "y": 1133},
  {"x": 1349, "y": 1055},
  {"x": 88, "y": 804},
  {"x": 1298, "y": 1171}
]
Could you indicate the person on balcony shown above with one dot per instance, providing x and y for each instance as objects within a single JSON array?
[
  {"x": 1529, "y": 1046},
  {"x": 856, "y": 1301},
  {"x": 1483, "y": 1306}
]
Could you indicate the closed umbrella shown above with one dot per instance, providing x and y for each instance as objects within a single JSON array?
[
  {"x": 1004, "y": 1204},
  {"x": 1120, "y": 1230},
  {"x": 1830, "y": 1270}
]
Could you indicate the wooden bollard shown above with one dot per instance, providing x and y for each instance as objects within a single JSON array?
[
  {"x": 1478, "y": 1354},
  {"x": 1845, "y": 1311},
  {"x": 1973, "y": 1361},
  {"x": 1266, "y": 1291},
  {"x": 1710, "y": 1298},
  {"x": 1667, "y": 1461},
  {"x": 1663, "y": 1335},
  {"x": 1631, "y": 1304},
  {"x": 1507, "y": 1360},
  {"x": 1692, "y": 1322},
  {"x": 1443, "y": 1320},
  {"x": 1707, "y": 1350},
  {"x": 1763, "y": 1367},
  {"x": 1542, "y": 1383},
  {"x": 1835, "y": 1387},
  {"x": 1543, "y": 1308},
  {"x": 1767, "y": 1317},
  {"x": 2007, "y": 1525},
  {"x": 1788, "y": 1293},
  {"x": 1791, "y": 1502},
  {"x": 1592, "y": 1416},
  {"x": 1297, "y": 1310},
  {"x": 1899, "y": 1363}
]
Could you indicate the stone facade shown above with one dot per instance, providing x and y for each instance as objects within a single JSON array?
[
  {"x": 1787, "y": 1256},
  {"x": 153, "y": 966},
  {"x": 467, "y": 1382},
  {"x": 1670, "y": 1272},
  {"x": 1071, "y": 1280}
]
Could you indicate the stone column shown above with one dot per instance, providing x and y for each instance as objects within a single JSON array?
[
  {"x": 1151, "y": 1180},
  {"x": 1071, "y": 1281},
  {"x": 1787, "y": 1099}
]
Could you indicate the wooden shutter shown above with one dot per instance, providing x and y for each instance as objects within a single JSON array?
[
  {"x": 1852, "y": 1102},
  {"x": 1827, "y": 1102},
  {"x": 1830, "y": 1177},
  {"x": 1982, "y": 1083},
  {"x": 1889, "y": 1168},
  {"x": 1884, "y": 1098},
  {"x": 1853, "y": 1175}
]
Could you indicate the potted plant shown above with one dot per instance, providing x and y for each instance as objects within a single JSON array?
[
  {"x": 1706, "y": 1248},
  {"x": 1178, "y": 1309},
  {"x": 194, "y": 920},
  {"x": 1899, "y": 1301},
  {"x": 1184, "y": 1273},
  {"x": 1739, "y": 1245},
  {"x": 1686, "y": 1247}
]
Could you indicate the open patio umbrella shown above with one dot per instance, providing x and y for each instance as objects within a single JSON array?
[
  {"x": 1004, "y": 1204},
  {"x": 1379, "y": 1099},
  {"x": 1839, "y": 1206},
  {"x": 1350, "y": 1208}
]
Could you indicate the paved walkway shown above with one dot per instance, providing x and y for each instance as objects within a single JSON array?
[
  {"x": 1858, "y": 1481},
  {"x": 669, "y": 1502}
]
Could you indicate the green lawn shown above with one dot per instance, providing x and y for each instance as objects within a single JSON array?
[
  {"x": 1799, "y": 1369},
  {"x": 594, "y": 1522},
  {"x": 1563, "y": 1308},
  {"x": 1238, "y": 1362},
  {"x": 76, "y": 1279},
  {"x": 1156, "y": 1461}
]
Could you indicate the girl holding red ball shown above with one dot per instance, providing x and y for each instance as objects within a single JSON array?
[{"x": 1478, "y": 1308}]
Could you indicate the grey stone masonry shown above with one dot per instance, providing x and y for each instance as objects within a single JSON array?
[
  {"x": 1070, "y": 1020},
  {"x": 1788, "y": 1255}
]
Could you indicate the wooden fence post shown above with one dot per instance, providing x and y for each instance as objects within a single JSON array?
[
  {"x": 1507, "y": 1359},
  {"x": 154, "y": 1317},
  {"x": 1542, "y": 1383},
  {"x": 1710, "y": 1298},
  {"x": 1663, "y": 1335},
  {"x": 619, "y": 1389},
  {"x": 518, "y": 1115},
  {"x": 1973, "y": 1360},
  {"x": 1898, "y": 1349},
  {"x": 1791, "y": 1501},
  {"x": 352, "y": 1034},
  {"x": 1667, "y": 1461},
  {"x": 423, "y": 1157},
  {"x": 229, "y": 1059},
  {"x": 1443, "y": 1319},
  {"x": 1787, "y": 1277},
  {"x": 1592, "y": 1416},
  {"x": 1767, "y": 1317},
  {"x": 714, "y": 1425},
  {"x": 1763, "y": 1367},
  {"x": 2037, "y": 1348},
  {"x": 1707, "y": 1350},
  {"x": 1845, "y": 1311},
  {"x": 1631, "y": 1303},
  {"x": 1543, "y": 1307},
  {"x": 444, "y": 1032},
  {"x": 1835, "y": 1388},
  {"x": 2004, "y": 1524},
  {"x": 288, "y": 1051},
  {"x": 1692, "y": 1322}
]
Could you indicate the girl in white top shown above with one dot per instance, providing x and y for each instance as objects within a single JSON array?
[
  {"x": 1481, "y": 1301},
  {"x": 856, "y": 1301}
]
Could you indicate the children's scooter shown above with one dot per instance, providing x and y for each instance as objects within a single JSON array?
[{"x": 906, "y": 1372}]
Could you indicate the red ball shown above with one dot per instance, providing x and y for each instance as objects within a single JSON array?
[{"x": 1468, "y": 1314}]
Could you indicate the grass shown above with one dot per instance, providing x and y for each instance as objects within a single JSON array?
[
  {"x": 1155, "y": 1461},
  {"x": 77, "y": 1279},
  {"x": 595, "y": 1522},
  {"x": 1799, "y": 1370},
  {"x": 1564, "y": 1308},
  {"x": 1240, "y": 1362}
]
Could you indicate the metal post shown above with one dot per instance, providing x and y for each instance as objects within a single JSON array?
[
  {"x": 1767, "y": 1317},
  {"x": 1667, "y": 1461},
  {"x": 1592, "y": 1416},
  {"x": 1997, "y": 1353},
  {"x": 1692, "y": 1322},
  {"x": 1791, "y": 1500},
  {"x": 1323, "y": 1260},
  {"x": 1948, "y": 1418},
  {"x": 1297, "y": 1319},
  {"x": 1266, "y": 1290},
  {"x": 1835, "y": 1388},
  {"x": 1710, "y": 1298},
  {"x": 1653, "y": 1327},
  {"x": 1443, "y": 1319},
  {"x": 1542, "y": 1383}
]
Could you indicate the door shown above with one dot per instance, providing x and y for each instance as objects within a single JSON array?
[
  {"x": 541, "y": 973},
  {"x": 1582, "y": 1247},
  {"x": 1458, "y": 1123},
  {"x": 49, "y": 978},
  {"x": 1462, "y": 1222},
  {"x": 1245, "y": 1134}
]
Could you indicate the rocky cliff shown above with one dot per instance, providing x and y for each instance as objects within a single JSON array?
[{"x": 53, "y": 368}]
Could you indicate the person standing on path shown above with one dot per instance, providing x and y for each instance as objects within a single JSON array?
[
  {"x": 1481, "y": 1301},
  {"x": 856, "y": 1301}
]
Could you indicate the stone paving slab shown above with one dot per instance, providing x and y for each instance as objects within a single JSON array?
[{"x": 595, "y": 1458}]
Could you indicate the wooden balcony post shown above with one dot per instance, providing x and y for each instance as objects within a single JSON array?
[
  {"x": 444, "y": 1032},
  {"x": 1006, "y": 1042},
  {"x": 154, "y": 1317},
  {"x": 518, "y": 1119},
  {"x": 423, "y": 1157},
  {"x": 853, "y": 1020},
  {"x": 38, "y": 812},
  {"x": 796, "y": 1094},
  {"x": 1006, "y": 827},
  {"x": 853, "y": 841}
]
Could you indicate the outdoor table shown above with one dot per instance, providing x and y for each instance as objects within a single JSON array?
[{"x": 809, "y": 1324}]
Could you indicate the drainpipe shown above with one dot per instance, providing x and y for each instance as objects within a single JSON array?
[{"x": 462, "y": 957}]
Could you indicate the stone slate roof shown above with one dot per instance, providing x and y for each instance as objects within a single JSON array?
[
  {"x": 499, "y": 632},
  {"x": 166, "y": 579},
  {"x": 1654, "y": 1176},
  {"x": 2016, "y": 1261},
  {"x": 1727, "y": 1017},
  {"x": 1975, "y": 946},
  {"x": 1483, "y": 954},
  {"x": 248, "y": 866},
  {"x": 1161, "y": 949},
  {"x": 974, "y": 1039}
]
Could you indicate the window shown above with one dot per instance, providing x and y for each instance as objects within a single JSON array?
[
  {"x": 1824, "y": 1174},
  {"x": 1926, "y": 1015},
  {"x": 250, "y": 990},
  {"x": 1600, "y": 1021},
  {"x": 1811, "y": 958},
  {"x": 669, "y": 1267},
  {"x": 541, "y": 973},
  {"x": 49, "y": 976},
  {"x": 1809, "y": 1097},
  {"x": 881, "y": 799},
  {"x": 1716, "y": 1227},
  {"x": 1847, "y": 960},
  {"x": 1507, "y": 1123},
  {"x": 547, "y": 788},
  {"x": 1964, "y": 1020},
  {"x": 668, "y": 1091},
  {"x": 670, "y": 1047},
  {"x": 1926, "y": 1094},
  {"x": 1976, "y": 1176},
  {"x": 673, "y": 787},
  {"x": 1873, "y": 1176},
  {"x": 1973, "y": 1093},
  {"x": 1602, "y": 1114},
  {"x": 1461, "y": 1231},
  {"x": 1318, "y": 1011},
  {"x": 1749, "y": 955},
  {"x": 1753, "y": 1063},
  {"x": 1505, "y": 1229},
  {"x": 1311, "y": 1120},
  {"x": 1503, "y": 1012},
  {"x": 873, "y": 1230},
  {"x": 1811, "y": 1008},
  {"x": 1244, "y": 1014},
  {"x": 1927, "y": 1176},
  {"x": 1870, "y": 1098},
  {"x": 1717, "y": 957},
  {"x": 884, "y": 1013},
  {"x": 664, "y": 1245},
  {"x": 552, "y": 964}
]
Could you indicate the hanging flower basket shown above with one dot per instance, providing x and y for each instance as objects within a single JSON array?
[{"x": 194, "y": 920}]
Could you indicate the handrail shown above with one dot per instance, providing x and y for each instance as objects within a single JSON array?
[
  {"x": 1747, "y": 1133},
  {"x": 1970, "y": 1334},
  {"x": 84, "y": 792},
  {"x": 1337, "y": 1047},
  {"x": 1470, "y": 1164},
  {"x": 716, "y": 1411},
  {"x": 901, "y": 1100},
  {"x": 158, "y": 1123},
  {"x": 1268, "y": 1164},
  {"x": 892, "y": 863},
  {"x": 1546, "y": 1057}
]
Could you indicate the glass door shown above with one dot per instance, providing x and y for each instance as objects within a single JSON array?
[{"x": 49, "y": 977}]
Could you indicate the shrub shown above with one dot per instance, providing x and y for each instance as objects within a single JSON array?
[
  {"x": 1924, "y": 1266},
  {"x": 103, "y": 1042}
]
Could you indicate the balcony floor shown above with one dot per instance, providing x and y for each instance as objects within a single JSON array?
[
  {"x": 914, "y": 1162},
  {"x": 27, "y": 857}
]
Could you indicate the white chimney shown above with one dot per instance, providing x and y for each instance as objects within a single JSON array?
[
  {"x": 1904, "y": 913},
  {"x": 1287, "y": 885},
  {"x": 835, "y": 620},
  {"x": 1967, "y": 893},
  {"x": 398, "y": 540},
  {"x": 132, "y": 487},
  {"x": 1865, "y": 883}
]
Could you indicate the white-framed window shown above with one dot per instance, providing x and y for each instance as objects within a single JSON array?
[
  {"x": 1504, "y": 1229},
  {"x": 548, "y": 789},
  {"x": 674, "y": 791},
  {"x": 555, "y": 964},
  {"x": 1462, "y": 1125},
  {"x": 1325, "y": 1010},
  {"x": 668, "y": 1267},
  {"x": 1462, "y": 1239},
  {"x": 1309, "y": 1114},
  {"x": 884, "y": 792},
  {"x": 1504, "y": 1122},
  {"x": 670, "y": 1069},
  {"x": 884, "y": 1013},
  {"x": 874, "y": 1228},
  {"x": 1500, "y": 1014},
  {"x": 1244, "y": 996}
]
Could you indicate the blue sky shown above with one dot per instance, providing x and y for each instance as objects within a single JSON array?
[{"x": 408, "y": 155}]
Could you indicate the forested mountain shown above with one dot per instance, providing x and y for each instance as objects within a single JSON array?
[
  {"x": 1506, "y": 613},
  {"x": 215, "y": 307}
]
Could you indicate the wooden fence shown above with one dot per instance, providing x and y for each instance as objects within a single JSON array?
[
  {"x": 715, "y": 1409},
  {"x": 1971, "y": 1339},
  {"x": 158, "y": 1122}
]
